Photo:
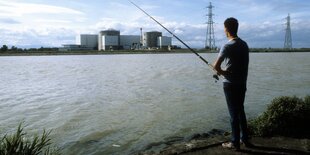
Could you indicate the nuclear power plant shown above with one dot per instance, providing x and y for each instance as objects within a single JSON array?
[{"x": 113, "y": 40}]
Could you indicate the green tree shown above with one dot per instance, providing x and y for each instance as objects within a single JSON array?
[
  {"x": 4, "y": 48},
  {"x": 14, "y": 48},
  {"x": 41, "y": 48}
]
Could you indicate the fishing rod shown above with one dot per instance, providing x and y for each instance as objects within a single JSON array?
[{"x": 192, "y": 50}]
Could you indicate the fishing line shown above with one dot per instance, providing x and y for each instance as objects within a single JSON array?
[{"x": 215, "y": 76}]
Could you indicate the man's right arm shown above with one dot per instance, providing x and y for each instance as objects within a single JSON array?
[
  {"x": 218, "y": 62},
  {"x": 217, "y": 66}
]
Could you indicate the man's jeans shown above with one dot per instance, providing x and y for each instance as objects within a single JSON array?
[{"x": 235, "y": 94}]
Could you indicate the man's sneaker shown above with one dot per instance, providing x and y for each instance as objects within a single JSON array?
[{"x": 230, "y": 145}]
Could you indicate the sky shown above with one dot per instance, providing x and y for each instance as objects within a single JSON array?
[{"x": 52, "y": 23}]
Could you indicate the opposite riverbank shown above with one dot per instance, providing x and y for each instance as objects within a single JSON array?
[{"x": 95, "y": 52}]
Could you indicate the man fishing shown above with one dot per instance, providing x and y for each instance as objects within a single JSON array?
[{"x": 235, "y": 56}]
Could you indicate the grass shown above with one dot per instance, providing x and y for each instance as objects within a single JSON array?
[{"x": 19, "y": 143}]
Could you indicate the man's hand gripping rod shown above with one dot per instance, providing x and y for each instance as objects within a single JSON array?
[{"x": 216, "y": 76}]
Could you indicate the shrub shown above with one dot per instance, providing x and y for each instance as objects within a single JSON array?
[
  {"x": 285, "y": 116},
  {"x": 19, "y": 144}
]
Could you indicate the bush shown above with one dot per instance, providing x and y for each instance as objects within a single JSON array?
[
  {"x": 285, "y": 116},
  {"x": 19, "y": 144}
]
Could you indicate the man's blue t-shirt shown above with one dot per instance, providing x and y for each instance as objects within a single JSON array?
[{"x": 236, "y": 61}]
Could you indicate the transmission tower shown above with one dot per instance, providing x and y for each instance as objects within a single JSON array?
[
  {"x": 288, "y": 34},
  {"x": 210, "y": 41}
]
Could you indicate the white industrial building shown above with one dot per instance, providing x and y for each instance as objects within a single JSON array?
[
  {"x": 112, "y": 40},
  {"x": 130, "y": 41},
  {"x": 150, "y": 39},
  {"x": 88, "y": 40},
  {"x": 109, "y": 40},
  {"x": 164, "y": 42}
]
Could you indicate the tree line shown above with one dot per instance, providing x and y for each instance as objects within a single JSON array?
[{"x": 5, "y": 48}]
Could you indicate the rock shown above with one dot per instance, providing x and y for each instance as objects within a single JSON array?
[{"x": 171, "y": 140}]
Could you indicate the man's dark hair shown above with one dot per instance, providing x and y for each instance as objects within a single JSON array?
[{"x": 231, "y": 24}]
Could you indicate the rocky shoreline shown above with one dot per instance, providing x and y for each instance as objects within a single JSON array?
[
  {"x": 210, "y": 143},
  {"x": 179, "y": 145}
]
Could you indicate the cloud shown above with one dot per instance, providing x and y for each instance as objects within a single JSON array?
[
  {"x": 18, "y": 9},
  {"x": 8, "y": 21},
  {"x": 32, "y": 37},
  {"x": 26, "y": 24},
  {"x": 272, "y": 34},
  {"x": 52, "y": 21},
  {"x": 260, "y": 24}
]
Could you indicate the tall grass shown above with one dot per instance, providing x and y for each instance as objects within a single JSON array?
[{"x": 19, "y": 143}]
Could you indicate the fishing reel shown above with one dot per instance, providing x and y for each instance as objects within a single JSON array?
[{"x": 216, "y": 77}]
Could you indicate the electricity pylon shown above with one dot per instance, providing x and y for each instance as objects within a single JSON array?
[
  {"x": 288, "y": 34},
  {"x": 210, "y": 41}
]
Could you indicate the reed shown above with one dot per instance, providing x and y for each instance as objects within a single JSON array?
[{"x": 19, "y": 143}]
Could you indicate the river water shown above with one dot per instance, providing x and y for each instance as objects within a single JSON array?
[{"x": 118, "y": 104}]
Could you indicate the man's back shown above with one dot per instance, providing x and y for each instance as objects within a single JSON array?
[{"x": 236, "y": 56}]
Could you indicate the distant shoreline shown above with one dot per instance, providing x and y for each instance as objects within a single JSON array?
[{"x": 117, "y": 52}]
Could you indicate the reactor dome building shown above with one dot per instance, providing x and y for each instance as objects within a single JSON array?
[{"x": 113, "y": 40}]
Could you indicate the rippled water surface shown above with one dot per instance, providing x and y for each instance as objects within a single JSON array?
[{"x": 118, "y": 104}]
